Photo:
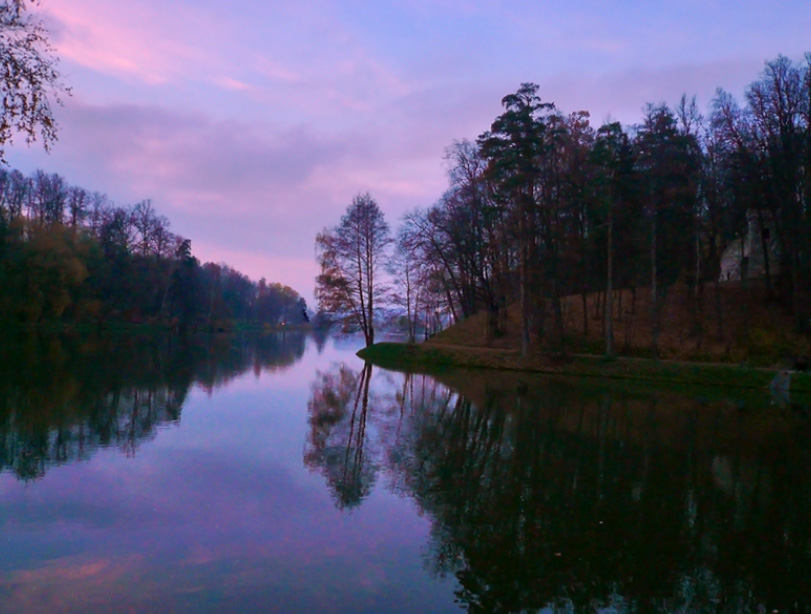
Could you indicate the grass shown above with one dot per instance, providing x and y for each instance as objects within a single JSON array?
[
  {"x": 756, "y": 330},
  {"x": 757, "y": 342},
  {"x": 435, "y": 359}
]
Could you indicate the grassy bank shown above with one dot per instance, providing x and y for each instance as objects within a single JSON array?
[
  {"x": 757, "y": 330},
  {"x": 434, "y": 359}
]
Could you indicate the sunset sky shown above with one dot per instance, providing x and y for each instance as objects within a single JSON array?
[{"x": 251, "y": 124}]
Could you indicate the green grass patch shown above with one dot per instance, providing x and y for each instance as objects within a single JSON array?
[
  {"x": 407, "y": 357},
  {"x": 434, "y": 359}
]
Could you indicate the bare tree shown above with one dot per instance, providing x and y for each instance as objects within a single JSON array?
[
  {"x": 78, "y": 203},
  {"x": 29, "y": 79},
  {"x": 350, "y": 256},
  {"x": 404, "y": 266}
]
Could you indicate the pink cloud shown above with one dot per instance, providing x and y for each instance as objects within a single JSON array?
[
  {"x": 129, "y": 40},
  {"x": 230, "y": 83},
  {"x": 251, "y": 133},
  {"x": 70, "y": 584}
]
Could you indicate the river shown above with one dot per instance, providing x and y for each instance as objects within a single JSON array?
[{"x": 281, "y": 474}]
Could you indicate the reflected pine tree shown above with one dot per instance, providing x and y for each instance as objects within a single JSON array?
[
  {"x": 337, "y": 443},
  {"x": 557, "y": 498},
  {"x": 62, "y": 397}
]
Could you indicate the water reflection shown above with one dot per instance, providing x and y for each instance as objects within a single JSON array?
[
  {"x": 62, "y": 397},
  {"x": 521, "y": 494},
  {"x": 559, "y": 496},
  {"x": 337, "y": 438}
]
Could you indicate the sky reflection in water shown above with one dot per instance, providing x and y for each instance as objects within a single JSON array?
[
  {"x": 282, "y": 476},
  {"x": 215, "y": 512}
]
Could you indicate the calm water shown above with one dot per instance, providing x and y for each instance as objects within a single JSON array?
[{"x": 281, "y": 475}]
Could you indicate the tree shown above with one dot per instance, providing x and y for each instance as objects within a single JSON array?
[
  {"x": 184, "y": 289},
  {"x": 29, "y": 79},
  {"x": 277, "y": 304},
  {"x": 577, "y": 178},
  {"x": 350, "y": 256},
  {"x": 515, "y": 149},
  {"x": 43, "y": 275},
  {"x": 611, "y": 157},
  {"x": 779, "y": 106},
  {"x": 403, "y": 266},
  {"x": 663, "y": 157}
]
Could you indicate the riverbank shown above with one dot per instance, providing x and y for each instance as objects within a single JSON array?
[
  {"x": 436, "y": 358},
  {"x": 755, "y": 330}
]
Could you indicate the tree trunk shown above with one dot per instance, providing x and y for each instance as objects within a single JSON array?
[
  {"x": 764, "y": 243},
  {"x": 698, "y": 290},
  {"x": 584, "y": 286},
  {"x": 609, "y": 289},
  {"x": 630, "y": 324},
  {"x": 412, "y": 333},
  {"x": 526, "y": 306},
  {"x": 654, "y": 294},
  {"x": 719, "y": 312},
  {"x": 559, "y": 320}
]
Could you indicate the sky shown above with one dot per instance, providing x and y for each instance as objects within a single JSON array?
[{"x": 251, "y": 124}]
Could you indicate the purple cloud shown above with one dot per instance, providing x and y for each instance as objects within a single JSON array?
[{"x": 253, "y": 129}]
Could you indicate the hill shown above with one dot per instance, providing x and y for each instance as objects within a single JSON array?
[{"x": 752, "y": 328}]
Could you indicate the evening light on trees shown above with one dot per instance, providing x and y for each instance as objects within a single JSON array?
[
  {"x": 350, "y": 256},
  {"x": 549, "y": 223}
]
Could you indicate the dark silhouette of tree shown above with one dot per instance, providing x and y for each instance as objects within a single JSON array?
[
  {"x": 184, "y": 289},
  {"x": 516, "y": 149},
  {"x": 351, "y": 256},
  {"x": 425, "y": 248},
  {"x": 613, "y": 183},
  {"x": 779, "y": 104},
  {"x": 404, "y": 265},
  {"x": 453, "y": 249},
  {"x": 664, "y": 159},
  {"x": 29, "y": 79},
  {"x": 481, "y": 242}
]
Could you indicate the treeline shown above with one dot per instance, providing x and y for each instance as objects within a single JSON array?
[
  {"x": 67, "y": 254},
  {"x": 543, "y": 205}
]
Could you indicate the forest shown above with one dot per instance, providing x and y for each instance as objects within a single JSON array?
[
  {"x": 69, "y": 255},
  {"x": 544, "y": 208}
]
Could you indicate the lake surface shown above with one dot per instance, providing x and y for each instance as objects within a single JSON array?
[{"x": 282, "y": 475}]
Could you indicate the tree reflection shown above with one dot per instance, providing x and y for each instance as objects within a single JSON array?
[
  {"x": 62, "y": 397},
  {"x": 556, "y": 497},
  {"x": 337, "y": 443}
]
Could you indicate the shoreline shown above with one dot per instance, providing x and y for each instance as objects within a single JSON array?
[{"x": 435, "y": 358}]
